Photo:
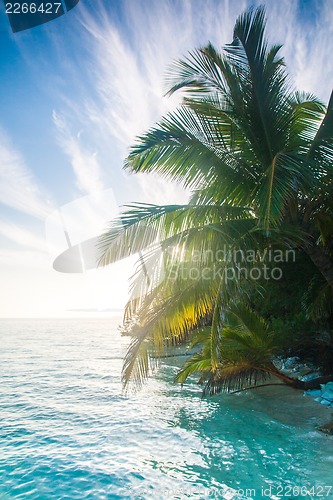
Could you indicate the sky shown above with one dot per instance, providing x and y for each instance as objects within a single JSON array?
[{"x": 75, "y": 92}]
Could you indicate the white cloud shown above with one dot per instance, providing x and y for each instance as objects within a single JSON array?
[
  {"x": 18, "y": 187},
  {"x": 307, "y": 42},
  {"x": 22, "y": 236},
  {"x": 84, "y": 163},
  {"x": 129, "y": 61}
]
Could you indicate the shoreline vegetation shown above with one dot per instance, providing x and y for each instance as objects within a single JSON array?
[{"x": 242, "y": 273}]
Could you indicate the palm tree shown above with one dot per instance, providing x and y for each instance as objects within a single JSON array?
[
  {"x": 258, "y": 158},
  {"x": 167, "y": 311},
  {"x": 247, "y": 356}
]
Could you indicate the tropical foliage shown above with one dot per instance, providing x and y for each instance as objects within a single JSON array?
[
  {"x": 257, "y": 156},
  {"x": 246, "y": 353}
]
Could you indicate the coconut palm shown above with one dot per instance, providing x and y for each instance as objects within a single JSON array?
[
  {"x": 181, "y": 243},
  {"x": 244, "y": 137},
  {"x": 246, "y": 355},
  {"x": 258, "y": 158}
]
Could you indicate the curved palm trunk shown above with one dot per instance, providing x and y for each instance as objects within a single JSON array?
[
  {"x": 290, "y": 381},
  {"x": 300, "y": 384},
  {"x": 322, "y": 262},
  {"x": 294, "y": 383}
]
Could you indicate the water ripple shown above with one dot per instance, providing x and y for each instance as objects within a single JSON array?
[{"x": 68, "y": 432}]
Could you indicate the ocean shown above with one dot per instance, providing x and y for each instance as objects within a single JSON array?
[{"x": 67, "y": 431}]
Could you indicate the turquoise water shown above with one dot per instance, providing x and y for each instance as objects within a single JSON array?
[{"x": 67, "y": 432}]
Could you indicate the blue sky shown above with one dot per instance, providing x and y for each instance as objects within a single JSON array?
[{"x": 74, "y": 94}]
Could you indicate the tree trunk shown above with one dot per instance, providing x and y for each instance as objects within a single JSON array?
[
  {"x": 294, "y": 383},
  {"x": 322, "y": 261},
  {"x": 289, "y": 381},
  {"x": 301, "y": 384}
]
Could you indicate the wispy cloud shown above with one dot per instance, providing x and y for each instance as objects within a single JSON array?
[
  {"x": 84, "y": 163},
  {"x": 120, "y": 54},
  {"x": 129, "y": 60},
  {"x": 129, "y": 94},
  {"x": 18, "y": 187},
  {"x": 129, "y": 54},
  {"x": 22, "y": 236},
  {"x": 306, "y": 31}
]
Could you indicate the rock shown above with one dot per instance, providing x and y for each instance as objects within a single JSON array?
[
  {"x": 324, "y": 395},
  {"x": 310, "y": 376},
  {"x": 327, "y": 393},
  {"x": 326, "y": 428},
  {"x": 314, "y": 393},
  {"x": 325, "y": 402}
]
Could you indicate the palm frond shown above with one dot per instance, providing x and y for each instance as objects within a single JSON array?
[
  {"x": 258, "y": 158},
  {"x": 144, "y": 226},
  {"x": 200, "y": 362},
  {"x": 233, "y": 377}
]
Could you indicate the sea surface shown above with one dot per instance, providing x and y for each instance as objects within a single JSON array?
[{"x": 68, "y": 432}]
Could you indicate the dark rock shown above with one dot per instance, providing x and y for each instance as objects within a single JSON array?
[{"x": 326, "y": 428}]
